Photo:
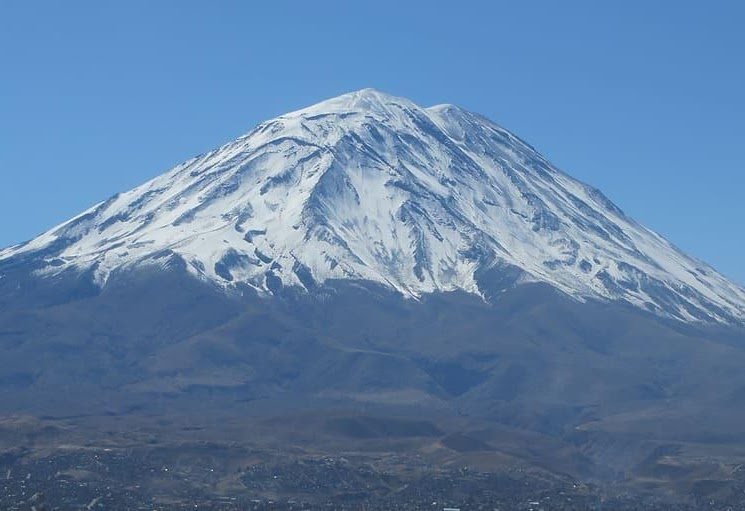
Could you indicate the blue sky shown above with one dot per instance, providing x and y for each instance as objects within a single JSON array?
[{"x": 642, "y": 99}]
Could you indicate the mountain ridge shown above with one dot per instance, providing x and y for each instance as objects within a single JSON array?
[{"x": 371, "y": 187}]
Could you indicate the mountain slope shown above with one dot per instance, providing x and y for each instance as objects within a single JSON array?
[{"x": 370, "y": 187}]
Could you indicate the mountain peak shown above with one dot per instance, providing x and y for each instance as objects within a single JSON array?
[
  {"x": 371, "y": 187},
  {"x": 368, "y": 101}
]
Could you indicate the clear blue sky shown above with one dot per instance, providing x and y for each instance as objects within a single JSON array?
[{"x": 645, "y": 100}]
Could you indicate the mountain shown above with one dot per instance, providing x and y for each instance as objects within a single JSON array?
[
  {"x": 369, "y": 276},
  {"x": 371, "y": 187}
]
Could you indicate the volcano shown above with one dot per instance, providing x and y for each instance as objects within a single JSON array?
[{"x": 384, "y": 271}]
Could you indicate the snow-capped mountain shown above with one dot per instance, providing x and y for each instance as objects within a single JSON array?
[{"x": 372, "y": 187}]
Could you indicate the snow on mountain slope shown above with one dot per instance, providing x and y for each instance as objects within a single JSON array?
[{"x": 372, "y": 187}]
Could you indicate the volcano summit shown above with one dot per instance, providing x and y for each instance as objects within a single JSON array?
[{"x": 373, "y": 188}]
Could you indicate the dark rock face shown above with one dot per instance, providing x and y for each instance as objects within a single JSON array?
[{"x": 530, "y": 358}]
